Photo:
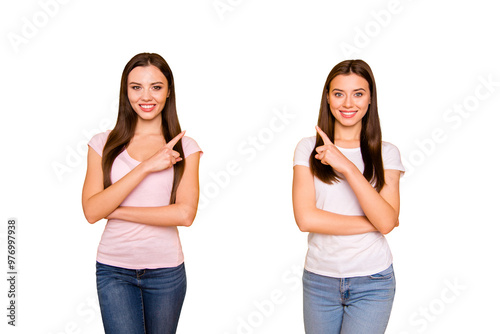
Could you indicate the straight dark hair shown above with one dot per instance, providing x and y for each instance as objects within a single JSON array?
[
  {"x": 371, "y": 134},
  {"x": 124, "y": 130}
]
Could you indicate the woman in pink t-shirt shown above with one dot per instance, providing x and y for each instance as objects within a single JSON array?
[{"x": 142, "y": 177}]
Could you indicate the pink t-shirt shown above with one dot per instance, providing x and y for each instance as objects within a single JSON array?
[{"x": 133, "y": 245}]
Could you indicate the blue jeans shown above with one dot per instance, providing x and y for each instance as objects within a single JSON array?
[
  {"x": 140, "y": 301},
  {"x": 354, "y": 305}
]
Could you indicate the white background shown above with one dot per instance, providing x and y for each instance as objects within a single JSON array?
[{"x": 236, "y": 68}]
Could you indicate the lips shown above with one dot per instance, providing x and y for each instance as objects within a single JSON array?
[
  {"x": 147, "y": 107},
  {"x": 347, "y": 113}
]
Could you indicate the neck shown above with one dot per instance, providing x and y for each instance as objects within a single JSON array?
[
  {"x": 348, "y": 134},
  {"x": 148, "y": 127}
]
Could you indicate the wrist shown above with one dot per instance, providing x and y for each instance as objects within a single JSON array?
[
  {"x": 143, "y": 168},
  {"x": 351, "y": 170}
]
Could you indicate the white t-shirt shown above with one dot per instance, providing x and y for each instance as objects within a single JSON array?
[{"x": 345, "y": 255}]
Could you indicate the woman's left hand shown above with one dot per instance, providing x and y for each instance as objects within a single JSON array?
[{"x": 329, "y": 154}]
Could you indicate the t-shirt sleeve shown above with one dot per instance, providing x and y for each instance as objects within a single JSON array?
[
  {"x": 392, "y": 157},
  {"x": 190, "y": 146},
  {"x": 98, "y": 141},
  {"x": 303, "y": 151}
]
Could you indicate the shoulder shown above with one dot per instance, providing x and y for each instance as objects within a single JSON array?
[
  {"x": 98, "y": 141},
  {"x": 190, "y": 146},
  {"x": 101, "y": 136},
  {"x": 303, "y": 151},
  {"x": 391, "y": 156},
  {"x": 389, "y": 149},
  {"x": 307, "y": 143},
  {"x": 188, "y": 141}
]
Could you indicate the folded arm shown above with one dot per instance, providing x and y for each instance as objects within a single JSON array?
[
  {"x": 182, "y": 213},
  {"x": 381, "y": 209},
  {"x": 98, "y": 202},
  {"x": 311, "y": 219}
]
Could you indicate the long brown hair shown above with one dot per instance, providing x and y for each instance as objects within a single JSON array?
[
  {"x": 371, "y": 134},
  {"x": 124, "y": 130}
]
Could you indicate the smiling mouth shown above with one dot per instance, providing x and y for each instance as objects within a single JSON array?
[
  {"x": 347, "y": 114},
  {"x": 147, "y": 107}
]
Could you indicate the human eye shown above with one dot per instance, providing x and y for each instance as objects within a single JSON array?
[
  {"x": 358, "y": 94},
  {"x": 157, "y": 87},
  {"x": 337, "y": 94},
  {"x": 135, "y": 87}
]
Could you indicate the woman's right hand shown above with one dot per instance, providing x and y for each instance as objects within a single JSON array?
[
  {"x": 329, "y": 154},
  {"x": 166, "y": 157}
]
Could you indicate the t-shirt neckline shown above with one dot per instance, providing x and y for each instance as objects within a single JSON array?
[
  {"x": 129, "y": 157},
  {"x": 348, "y": 149}
]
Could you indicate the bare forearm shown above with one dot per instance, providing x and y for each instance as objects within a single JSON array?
[
  {"x": 321, "y": 221},
  {"x": 103, "y": 203},
  {"x": 378, "y": 211},
  {"x": 182, "y": 213},
  {"x": 170, "y": 215},
  {"x": 309, "y": 218}
]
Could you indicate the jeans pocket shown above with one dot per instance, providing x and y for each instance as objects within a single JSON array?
[{"x": 385, "y": 274}]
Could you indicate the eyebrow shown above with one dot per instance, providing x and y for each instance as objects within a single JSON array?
[
  {"x": 154, "y": 83},
  {"x": 340, "y": 90}
]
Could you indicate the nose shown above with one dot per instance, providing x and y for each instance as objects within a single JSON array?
[
  {"x": 146, "y": 95},
  {"x": 348, "y": 101}
]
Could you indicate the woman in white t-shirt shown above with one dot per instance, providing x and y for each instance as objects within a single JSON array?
[{"x": 346, "y": 195}]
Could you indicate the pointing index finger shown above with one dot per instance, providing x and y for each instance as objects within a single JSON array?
[
  {"x": 323, "y": 136},
  {"x": 174, "y": 141}
]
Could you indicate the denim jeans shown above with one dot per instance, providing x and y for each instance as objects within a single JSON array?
[
  {"x": 354, "y": 305},
  {"x": 140, "y": 301}
]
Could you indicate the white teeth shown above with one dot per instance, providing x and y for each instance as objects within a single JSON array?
[
  {"x": 348, "y": 113},
  {"x": 147, "y": 105}
]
